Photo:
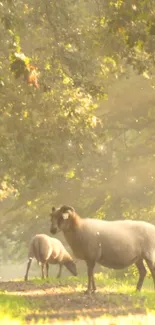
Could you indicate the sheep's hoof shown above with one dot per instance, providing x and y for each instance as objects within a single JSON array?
[
  {"x": 90, "y": 291},
  {"x": 87, "y": 292},
  {"x": 93, "y": 291}
]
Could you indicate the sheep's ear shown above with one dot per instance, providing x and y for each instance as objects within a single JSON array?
[
  {"x": 65, "y": 215},
  {"x": 53, "y": 209}
]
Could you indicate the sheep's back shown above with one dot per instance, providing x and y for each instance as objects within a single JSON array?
[
  {"x": 45, "y": 248},
  {"x": 58, "y": 251},
  {"x": 114, "y": 244},
  {"x": 41, "y": 247}
]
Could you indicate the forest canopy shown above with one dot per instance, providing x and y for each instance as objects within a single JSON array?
[{"x": 77, "y": 110}]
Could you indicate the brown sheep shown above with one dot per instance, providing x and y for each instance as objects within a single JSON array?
[
  {"x": 47, "y": 251},
  {"x": 113, "y": 244}
]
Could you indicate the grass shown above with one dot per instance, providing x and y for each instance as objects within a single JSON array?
[{"x": 63, "y": 302}]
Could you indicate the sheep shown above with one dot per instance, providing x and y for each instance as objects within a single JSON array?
[
  {"x": 113, "y": 244},
  {"x": 47, "y": 251}
]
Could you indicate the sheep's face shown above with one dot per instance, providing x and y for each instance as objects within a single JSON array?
[
  {"x": 61, "y": 219},
  {"x": 71, "y": 266}
]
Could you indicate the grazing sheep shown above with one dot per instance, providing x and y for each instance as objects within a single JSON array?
[
  {"x": 113, "y": 244},
  {"x": 47, "y": 251}
]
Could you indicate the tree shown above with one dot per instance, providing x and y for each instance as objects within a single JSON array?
[{"x": 60, "y": 142}]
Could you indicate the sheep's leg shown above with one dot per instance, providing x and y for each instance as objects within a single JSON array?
[
  {"x": 151, "y": 267},
  {"x": 60, "y": 270},
  {"x": 47, "y": 269},
  {"x": 28, "y": 267},
  {"x": 142, "y": 273},
  {"x": 43, "y": 270},
  {"x": 91, "y": 283}
]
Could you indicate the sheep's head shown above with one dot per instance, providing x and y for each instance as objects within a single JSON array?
[
  {"x": 71, "y": 266},
  {"x": 61, "y": 218}
]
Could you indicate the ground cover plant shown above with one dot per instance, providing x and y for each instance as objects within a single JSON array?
[{"x": 63, "y": 302}]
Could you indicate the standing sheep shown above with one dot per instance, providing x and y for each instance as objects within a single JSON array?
[
  {"x": 47, "y": 251},
  {"x": 113, "y": 244}
]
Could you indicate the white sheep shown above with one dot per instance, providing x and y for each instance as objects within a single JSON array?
[
  {"x": 113, "y": 244},
  {"x": 47, "y": 251}
]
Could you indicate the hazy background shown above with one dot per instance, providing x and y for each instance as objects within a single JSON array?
[{"x": 77, "y": 117}]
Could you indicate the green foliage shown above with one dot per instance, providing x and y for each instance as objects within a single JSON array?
[
  {"x": 62, "y": 143},
  {"x": 12, "y": 307}
]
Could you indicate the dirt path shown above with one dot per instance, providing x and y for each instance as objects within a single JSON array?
[{"x": 68, "y": 302}]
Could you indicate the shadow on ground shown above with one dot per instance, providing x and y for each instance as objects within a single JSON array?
[{"x": 68, "y": 302}]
